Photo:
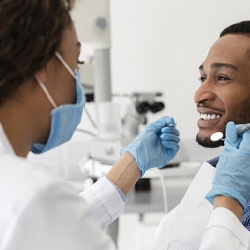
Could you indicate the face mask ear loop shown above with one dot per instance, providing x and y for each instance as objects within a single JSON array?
[
  {"x": 65, "y": 64},
  {"x": 46, "y": 92}
]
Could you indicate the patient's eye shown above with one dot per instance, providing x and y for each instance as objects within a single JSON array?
[{"x": 202, "y": 79}]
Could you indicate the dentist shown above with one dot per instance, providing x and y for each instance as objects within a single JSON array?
[{"x": 41, "y": 104}]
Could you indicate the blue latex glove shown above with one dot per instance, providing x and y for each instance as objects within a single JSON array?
[
  {"x": 232, "y": 177},
  {"x": 156, "y": 145}
]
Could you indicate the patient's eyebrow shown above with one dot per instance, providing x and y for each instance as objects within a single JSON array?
[{"x": 220, "y": 65}]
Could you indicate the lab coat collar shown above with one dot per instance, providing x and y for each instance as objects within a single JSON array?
[{"x": 5, "y": 146}]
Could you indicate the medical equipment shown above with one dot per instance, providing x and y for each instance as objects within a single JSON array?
[
  {"x": 92, "y": 22},
  {"x": 216, "y": 136},
  {"x": 145, "y": 102},
  {"x": 219, "y": 135},
  {"x": 142, "y": 103}
]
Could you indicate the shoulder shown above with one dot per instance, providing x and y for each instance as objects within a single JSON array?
[
  {"x": 18, "y": 175},
  {"x": 23, "y": 182},
  {"x": 224, "y": 231}
]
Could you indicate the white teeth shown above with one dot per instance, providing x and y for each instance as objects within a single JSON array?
[{"x": 209, "y": 116}]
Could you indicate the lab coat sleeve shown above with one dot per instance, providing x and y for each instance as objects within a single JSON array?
[
  {"x": 225, "y": 231},
  {"x": 105, "y": 200}
]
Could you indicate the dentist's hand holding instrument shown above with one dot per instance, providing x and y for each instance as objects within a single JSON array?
[
  {"x": 156, "y": 145},
  {"x": 232, "y": 177},
  {"x": 219, "y": 135}
]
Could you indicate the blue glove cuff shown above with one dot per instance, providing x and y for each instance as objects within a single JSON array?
[{"x": 221, "y": 190}]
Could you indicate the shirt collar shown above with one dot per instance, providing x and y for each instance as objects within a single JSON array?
[{"x": 214, "y": 161}]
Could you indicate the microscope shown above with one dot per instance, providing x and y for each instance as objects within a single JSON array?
[{"x": 142, "y": 103}]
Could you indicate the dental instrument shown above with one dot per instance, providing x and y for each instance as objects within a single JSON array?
[{"x": 219, "y": 135}]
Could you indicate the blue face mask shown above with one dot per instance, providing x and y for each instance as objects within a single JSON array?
[{"x": 65, "y": 118}]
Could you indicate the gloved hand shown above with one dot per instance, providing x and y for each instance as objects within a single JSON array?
[
  {"x": 232, "y": 177},
  {"x": 156, "y": 145}
]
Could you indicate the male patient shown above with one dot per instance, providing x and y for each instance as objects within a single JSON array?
[{"x": 223, "y": 96}]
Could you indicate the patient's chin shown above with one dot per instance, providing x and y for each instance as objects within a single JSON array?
[{"x": 207, "y": 143}]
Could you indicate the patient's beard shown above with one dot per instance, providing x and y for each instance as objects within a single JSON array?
[{"x": 207, "y": 143}]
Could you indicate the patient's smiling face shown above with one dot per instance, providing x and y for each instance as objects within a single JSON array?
[{"x": 224, "y": 94}]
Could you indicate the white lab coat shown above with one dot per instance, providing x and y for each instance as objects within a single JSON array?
[{"x": 41, "y": 211}]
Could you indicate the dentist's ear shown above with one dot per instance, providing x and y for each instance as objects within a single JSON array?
[
  {"x": 48, "y": 71},
  {"x": 42, "y": 75}
]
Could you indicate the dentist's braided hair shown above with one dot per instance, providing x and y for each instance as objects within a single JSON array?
[{"x": 30, "y": 33}]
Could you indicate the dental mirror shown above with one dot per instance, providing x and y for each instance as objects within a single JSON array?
[
  {"x": 216, "y": 136},
  {"x": 219, "y": 135}
]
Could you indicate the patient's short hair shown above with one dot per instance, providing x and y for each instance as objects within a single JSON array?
[{"x": 237, "y": 28}]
